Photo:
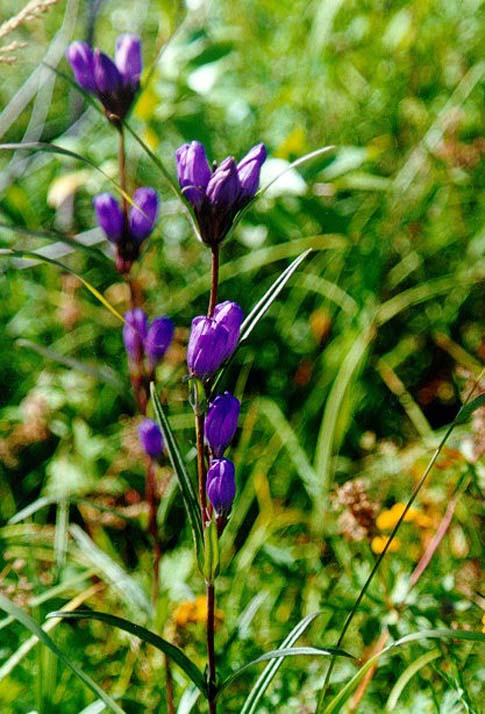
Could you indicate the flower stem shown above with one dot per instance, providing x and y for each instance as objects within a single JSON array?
[
  {"x": 201, "y": 469},
  {"x": 214, "y": 280},
  {"x": 122, "y": 168},
  {"x": 211, "y": 658}
]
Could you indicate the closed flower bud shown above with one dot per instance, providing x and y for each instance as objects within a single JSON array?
[
  {"x": 109, "y": 216},
  {"x": 221, "y": 422},
  {"x": 134, "y": 332},
  {"x": 207, "y": 347},
  {"x": 221, "y": 485},
  {"x": 141, "y": 220},
  {"x": 158, "y": 339},
  {"x": 230, "y": 315},
  {"x": 80, "y": 57},
  {"x": 223, "y": 187},
  {"x": 193, "y": 171},
  {"x": 106, "y": 76},
  {"x": 150, "y": 438},
  {"x": 128, "y": 59},
  {"x": 249, "y": 169}
]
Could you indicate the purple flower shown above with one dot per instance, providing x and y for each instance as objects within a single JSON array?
[
  {"x": 114, "y": 83},
  {"x": 223, "y": 187},
  {"x": 109, "y": 216},
  {"x": 128, "y": 59},
  {"x": 193, "y": 171},
  {"x": 221, "y": 422},
  {"x": 142, "y": 219},
  {"x": 158, "y": 339},
  {"x": 207, "y": 347},
  {"x": 135, "y": 332},
  {"x": 221, "y": 485},
  {"x": 80, "y": 57},
  {"x": 230, "y": 315},
  {"x": 150, "y": 438},
  {"x": 249, "y": 169},
  {"x": 217, "y": 197}
]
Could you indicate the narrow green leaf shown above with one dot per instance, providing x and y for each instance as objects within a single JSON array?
[
  {"x": 262, "y": 307},
  {"x": 33, "y": 627},
  {"x": 27, "y": 254},
  {"x": 57, "y": 236},
  {"x": 175, "y": 654},
  {"x": 407, "y": 675},
  {"x": 286, "y": 652},
  {"x": 467, "y": 409},
  {"x": 186, "y": 486},
  {"x": 269, "y": 672},
  {"x": 344, "y": 693}
]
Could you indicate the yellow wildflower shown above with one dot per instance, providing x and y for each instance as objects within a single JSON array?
[
  {"x": 483, "y": 623},
  {"x": 386, "y": 520},
  {"x": 194, "y": 611},
  {"x": 379, "y": 543}
]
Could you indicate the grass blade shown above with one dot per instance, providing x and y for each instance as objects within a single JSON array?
[
  {"x": 175, "y": 654},
  {"x": 31, "y": 625},
  {"x": 186, "y": 486},
  {"x": 58, "y": 237},
  {"x": 439, "y": 634}
]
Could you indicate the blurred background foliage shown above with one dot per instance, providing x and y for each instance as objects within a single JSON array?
[{"x": 352, "y": 374}]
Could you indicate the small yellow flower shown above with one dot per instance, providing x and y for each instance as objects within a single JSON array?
[
  {"x": 379, "y": 543},
  {"x": 386, "y": 520},
  {"x": 194, "y": 611},
  {"x": 483, "y": 623}
]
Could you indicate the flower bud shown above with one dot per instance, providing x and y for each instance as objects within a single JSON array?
[
  {"x": 128, "y": 59},
  {"x": 249, "y": 169},
  {"x": 230, "y": 315},
  {"x": 221, "y": 485},
  {"x": 223, "y": 187},
  {"x": 141, "y": 220},
  {"x": 207, "y": 347},
  {"x": 150, "y": 438},
  {"x": 221, "y": 422},
  {"x": 80, "y": 57},
  {"x": 158, "y": 339},
  {"x": 134, "y": 332},
  {"x": 109, "y": 216},
  {"x": 106, "y": 76},
  {"x": 193, "y": 171}
]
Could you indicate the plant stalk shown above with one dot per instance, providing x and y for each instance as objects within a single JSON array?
[
  {"x": 214, "y": 280},
  {"x": 211, "y": 658}
]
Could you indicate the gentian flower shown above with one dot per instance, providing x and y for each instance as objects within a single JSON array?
[
  {"x": 213, "y": 339},
  {"x": 143, "y": 338},
  {"x": 129, "y": 234},
  {"x": 221, "y": 486},
  {"x": 221, "y": 422},
  {"x": 158, "y": 339},
  {"x": 150, "y": 438},
  {"x": 217, "y": 197},
  {"x": 134, "y": 333},
  {"x": 114, "y": 83}
]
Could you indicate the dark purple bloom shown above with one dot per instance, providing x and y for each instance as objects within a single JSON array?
[
  {"x": 135, "y": 332},
  {"x": 193, "y": 171},
  {"x": 217, "y": 197},
  {"x": 80, "y": 57},
  {"x": 150, "y": 438},
  {"x": 109, "y": 216},
  {"x": 223, "y": 187},
  {"x": 221, "y": 422},
  {"x": 128, "y": 59},
  {"x": 221, "y": 485},
  {"x": 249, "y": 169},
  {"x": 158, "y": 339},
  {"x": 207, "y": 346},
  {"x": 106, "y": 75},
  {"x": 142, "y": 219},
  {"x": 230, "y": 315}
]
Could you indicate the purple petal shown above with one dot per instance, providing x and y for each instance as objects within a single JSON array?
[
  {"x": 150, "y": 438},
  {"x": 221, "y": 485},
  {"x": 128, "y": 59},
  {"x": 141, "y": 220},
  {"x": 221, "y": 422},
  {"x": 80, "y": 57},
  {"x": 193, "y": 171},
  {"x": 106, "y": 75},
  {"x": 135, "y": 332},
  {"x": 230, "y": 315},
  {"x": 109, "y": 216},
  {"x": 224, "y": 187},
  {"x": 249, "y": 169},
  {"x": 207, "y": 346},
  {"x": 158, "y": 339}
]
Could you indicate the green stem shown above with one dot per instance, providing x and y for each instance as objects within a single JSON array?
[
  {"x": 211, "y": 659},
  {"x": 214, "y": 280}
]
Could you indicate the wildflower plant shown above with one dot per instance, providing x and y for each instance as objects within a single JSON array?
[{"x": 216, "y": 195}]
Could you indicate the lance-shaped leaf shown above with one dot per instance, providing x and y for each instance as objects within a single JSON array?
[
  {"x": 175, "y": 654},
  {"x": 30, "y": 624},
  {"x": 467, "y": 409},
  {"x": 185, "y": 482}
]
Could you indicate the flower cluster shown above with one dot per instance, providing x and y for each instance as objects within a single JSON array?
[
  {"x": 114, "y": 83},
  {"x": 144, "y": 339},
  {"x": 213, "y": 339},
  {"x": 127, "y": 232},
  {"x": 217, "y": 196}
]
